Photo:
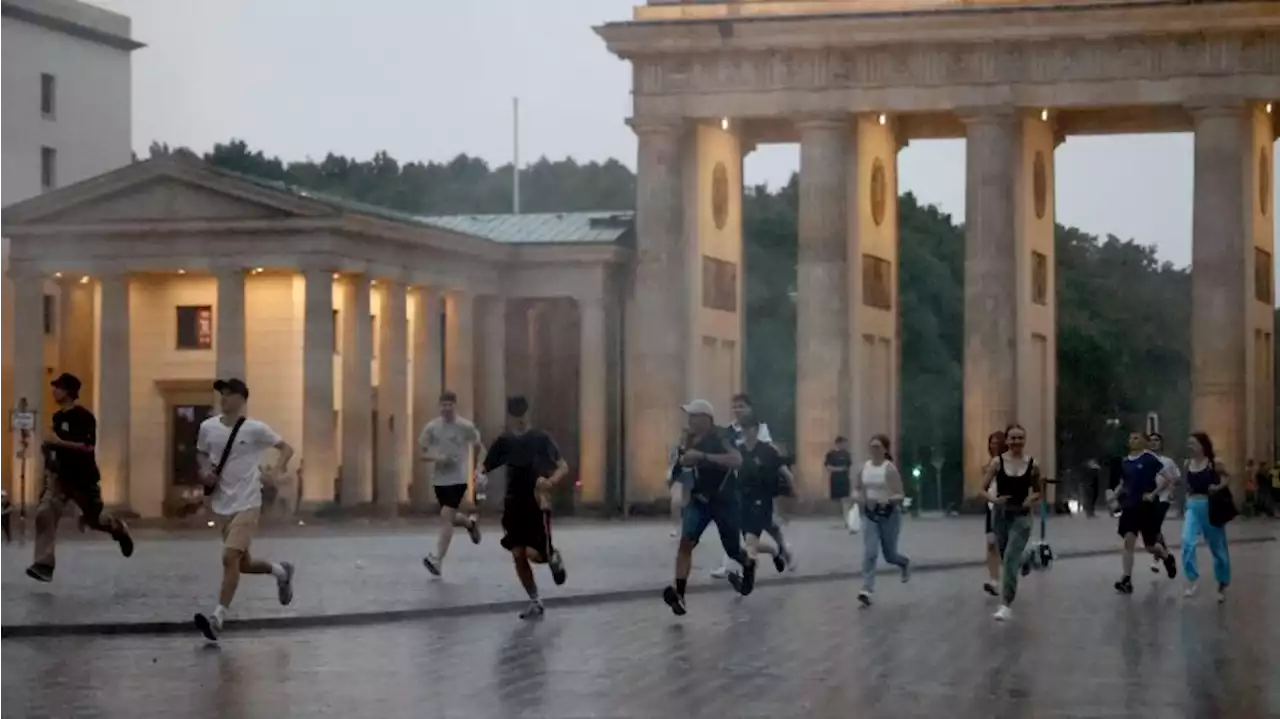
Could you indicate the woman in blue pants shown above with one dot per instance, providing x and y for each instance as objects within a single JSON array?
[{"x": 1205, "y": 475}]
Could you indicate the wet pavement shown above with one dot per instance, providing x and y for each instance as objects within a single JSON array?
[
  {"x": 926, "y": 649},
  {"x": 364, "y": 574}
]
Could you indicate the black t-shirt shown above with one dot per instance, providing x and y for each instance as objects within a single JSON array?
[
  {"x": 75, "y": 424},
  {"x": 527, "y": 457},
  {"x": 840, "y": 461},
  {"x": 761, "y": 474},
  {"x": 709, "y": 478}
]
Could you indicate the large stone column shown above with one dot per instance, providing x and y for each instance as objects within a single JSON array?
[
  {"x": 393, "y": 404},
  {"x": 229, "y": 324},
  {"x": 427, "y": 361},
  {"x": 658, "y": 321},
  {"x": 29, "y": 380},
  {"x": 990, "y": 284},
  {"x": 1222, "y": 292},
  {"x": 76, "y": 336},
  {"x": 357, "y": 393},
  {"x": 491, "y": 391},
  {"x": 821, "y": 316},
  {"x": 459, "y": 348},
  {"x": 319, "y": 454},
  {"x": 115, "y": 397},
  {"x": 593, "y": 399}
]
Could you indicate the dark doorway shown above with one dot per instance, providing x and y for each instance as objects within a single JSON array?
[{"x": 184, "y": 471}]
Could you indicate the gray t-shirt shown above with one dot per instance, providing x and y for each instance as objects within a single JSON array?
[{"x": 453, "y": 440}]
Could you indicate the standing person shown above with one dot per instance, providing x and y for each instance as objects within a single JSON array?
[
  {"x": 1142, "y": 477},
  {"x": 1092, "y": 487},
  {"x": 838, "y": 463},
  {"x": 1164, "y": 497},
  {"x": 714, "y": 457},
  {"x": 228, "y": 448},
  {"x": 1205, "y": 475},
  {"x": 448, "y": 442},
  {"x": 73, "y": 475},
  {"x": 1013, "y": 485},
  {"x": 680, "y": 480},
  {"x": 878, "y": 486},
  {"x": 996, "y": 445},
  {"x": 759, "y": 482},
  {"x": 534, "y": 468}
]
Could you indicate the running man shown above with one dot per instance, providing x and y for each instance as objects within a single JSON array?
[
  {"x": 448, "y": 442},
  {"x": 534, "y": 468},
  {"x": 713, "y": 457},
  {"x": 759, "y": 483},
  {"x": 73, "y": 475},
  {"x": 228, "y": 448},
  {"x": 1164, "y": 498},
  {"x": 1142, "y": 478},
  {"x": 743, "y": 411}
]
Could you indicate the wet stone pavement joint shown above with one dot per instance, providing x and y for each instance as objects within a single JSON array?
[
  {"x": 1074, "y": 649},
  {"x": 350, "y": 579}
]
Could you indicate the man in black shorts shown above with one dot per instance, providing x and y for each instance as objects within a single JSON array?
[
  {"x": 534, "y": 467},
  {"x": 1142, "y": 477},
  {"x": 448, "y": 442},
  {"x": 713, "y": 457},
  {"x": 72, "y": 473},
  {"x": 759, "y": 483}
]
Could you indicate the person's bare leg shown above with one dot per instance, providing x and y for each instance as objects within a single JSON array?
[
  {"x": 993, "y": 559},
  {"x": 448, "y": 520},
  {"x": 1126, "y": 560},
  {"x": 684, "y": 560},
  {"x": 232, "y": 560},
  {"x": 249, "y": 565},
  {"x": 524, "y": 572}
]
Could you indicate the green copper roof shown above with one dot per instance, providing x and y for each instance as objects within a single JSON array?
[{"x": 540, "y": 227}]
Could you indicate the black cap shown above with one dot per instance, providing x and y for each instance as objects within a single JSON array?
[
  {"x": 232, "y": 386},
  {"x": 68, "y": 383}
]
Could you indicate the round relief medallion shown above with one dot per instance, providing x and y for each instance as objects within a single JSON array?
[
  {"x": 720, "y": 195},
  {"x": 1264, "y": 181},
  {"x": 1039, "y": 185},
  {"x": 878, "y": 190}
]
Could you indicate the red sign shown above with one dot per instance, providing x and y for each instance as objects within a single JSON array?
[{"x": 204, "y": 327}]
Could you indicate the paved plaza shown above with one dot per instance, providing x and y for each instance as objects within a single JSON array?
[{"x": 926, "y": 649}]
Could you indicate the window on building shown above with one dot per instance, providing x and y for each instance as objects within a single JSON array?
[
  {"x": 719, "y": 284},
  {"x": 48, "y": 168},
  {"x": 48, "y": 95},
  {"x": 1263, "y": 281},
  {"x": 877, "y": 284},
  {"x": 195, "y": 327},
  {"x": 1039, "y": 278},
  {"x": 50, "y": 314}
]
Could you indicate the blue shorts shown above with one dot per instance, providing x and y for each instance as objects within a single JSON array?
[
  {"x": 698, "y": 514},
  {"x": 757, "y": 516}
]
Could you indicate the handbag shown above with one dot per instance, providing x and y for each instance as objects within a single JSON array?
[
  {"x": 1222, "y": 507},
  {"x": 226, "y": 452},
  {"x": 853, "y": 520}
]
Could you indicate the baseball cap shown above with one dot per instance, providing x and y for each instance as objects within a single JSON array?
[
  {"x": 68, "y": 383},
  {"x": 699, "y": 406},
  {"x": 232, "y": 386}
]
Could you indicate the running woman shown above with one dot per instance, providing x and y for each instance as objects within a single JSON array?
[
  {"x": 878, "y": 486},
  {"x": 534, "y": 468},
  {"x": 73, "y": 476},
  {"x": 1164, "y": 498},
  {"x": 996, "y": 445},
  {"x": 228, "y": 448},
  {"x": 838, "y": 463},
  {"x": 1142, "y": 477},
  {"x": 448, "y": 442},
  {"x": 713, "y": 457},
  {"x": 1205, "y": 475},
  {"x": 759, "y": 483},
  {"x": 1013, "y": 486}
]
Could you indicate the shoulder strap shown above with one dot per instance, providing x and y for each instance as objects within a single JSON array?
[{"x": 226, "y": 451}]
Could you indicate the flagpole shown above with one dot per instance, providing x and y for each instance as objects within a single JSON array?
[{"x": 515, "y": 148}]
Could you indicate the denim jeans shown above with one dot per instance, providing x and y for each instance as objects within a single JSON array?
[
  {"x": 1013, "y": 531},
  {"x": 1194, "y": 523},
  {"x": 880, "y": 534}
]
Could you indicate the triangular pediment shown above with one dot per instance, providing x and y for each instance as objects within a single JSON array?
[{"x": 164, "y": 190}]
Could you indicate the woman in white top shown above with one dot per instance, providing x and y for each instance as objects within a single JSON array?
[{"x": 878, "y": 486}]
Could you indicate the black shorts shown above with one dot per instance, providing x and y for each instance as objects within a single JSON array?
[
  {"x": 840, "y": 486},
  {"x": 757, "y": 516},
  {"x": 450, "y": 495},
  {"x": 1144, "y": 520},
  {"x": 528, "y": 525},
  {"x": 989, "y": 529}
]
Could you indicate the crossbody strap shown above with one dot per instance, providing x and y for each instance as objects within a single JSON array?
[{"x": 226, "y": 452}]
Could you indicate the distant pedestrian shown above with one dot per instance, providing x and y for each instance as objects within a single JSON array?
[
  {"x": 1014, "y": 487},
  {"x": 995, "y": 447},
  {"x": 228, "y": 448},
  {"x": 1205, "y": 476},
  {"x": 839, "y": 463},
  {"x": 878, "y": 487},
  {"x": 449, "y": 442}
]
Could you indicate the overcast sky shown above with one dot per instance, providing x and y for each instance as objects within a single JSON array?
[{"x": 427, "y": 79}]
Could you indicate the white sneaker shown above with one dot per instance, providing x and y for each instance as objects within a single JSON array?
[
  {"x": 1190, "y": 590},
  {"x": 1003, "y": 614},
  {"x": 1156, "y": 567},
  {"x": 720, "y": 572},
  {"x": 675, "y": 533}
]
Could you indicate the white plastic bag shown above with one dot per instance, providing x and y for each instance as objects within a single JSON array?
[{"x": 853, "y": 520}]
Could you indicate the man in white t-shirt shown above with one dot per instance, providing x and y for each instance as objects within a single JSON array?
[
  {"x": 448, "y": 442},
  {"x": 1164, "y": 497},
  {"x": 233, "y": 484}
]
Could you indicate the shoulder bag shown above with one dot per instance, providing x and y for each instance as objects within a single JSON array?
[{"x": 226, "y": 452}]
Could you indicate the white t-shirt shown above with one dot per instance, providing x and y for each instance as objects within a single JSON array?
[
  {"x": 1170, "y": 470},
  {"x": 875, "y": 480},
  {"x": 762, "y": 433},
  {"x": 240, "y": 485},
  {"x": 453, "y": 442}
]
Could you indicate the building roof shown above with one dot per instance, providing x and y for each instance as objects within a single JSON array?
[{"x": 74, "y": 18}]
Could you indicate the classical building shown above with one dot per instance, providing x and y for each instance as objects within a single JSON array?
[
  {"x": 345, "y": 320},
  {"x": 853, "y": 81}
]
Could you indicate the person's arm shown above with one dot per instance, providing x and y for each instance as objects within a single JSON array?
[
  {"x": 84, "y": 434},
  {"x": 859, "y": 490},
  {"x": 893, "y": 478},
  {"x": 477, "y": 446},
  {"x": 428, "y": 446},
  {"x": 988, "y": 478},
  {"x": 731, "y": 458},
  {"x": 267, "y": 437},
  {"x": 203, "y": 460},
  {"x": 551, "y": 455},
  {"x": 1167, "y": 476},
  {"x": 1037, "y": 487},
  {"x": 1223, "y": 475}
]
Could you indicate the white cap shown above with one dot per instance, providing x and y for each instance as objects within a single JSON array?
[{"x": 699, "y": 406}]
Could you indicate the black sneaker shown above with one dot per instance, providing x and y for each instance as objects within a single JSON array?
[
  {"x": 1124, "y": 586},
  {"x": 473, "y": 529},
  {"x": 675, "y": 601},
  {"x": 210, "y": 627},
  {"x": 535, "y": 610},
  {"x": 432, "y": 564},
  {"x": 40, "y": 573},
  {"x": 990, "y": 588},
  {"x": 748, "y": 578},
  {"x": 1170, "y": 566},
  {"x": 124, "y": 539},
  {"x": 780, "y": 562},
  {"x": 558, "y": 573},
  {"x": 284, "y": 585}
]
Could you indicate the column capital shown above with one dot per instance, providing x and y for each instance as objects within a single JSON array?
[
  {"x": 1210, "y": 107},
  {"x": 993, "y": 115},
  {"x": 658, "y": 126},
  {"x": 819, "y": 123}
]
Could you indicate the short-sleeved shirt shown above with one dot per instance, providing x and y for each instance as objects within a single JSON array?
[
  {"x": 240, "y": 484},
  {"x": 528, "y": 457},
  {"x": 76, "y": 424},
  {"x": 762, "y": 433},
  {"x": 1139, "y": 475},
  {"x": 710, "y": 479},
  {"x": 840, "y": 462},
  {"x": 453, "y": 441},
  {"x": 761, "y": 471},
  {"x": 1171, "y": 470}
]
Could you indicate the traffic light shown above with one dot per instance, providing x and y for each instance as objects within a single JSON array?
[{"x": 915, "y": 472}]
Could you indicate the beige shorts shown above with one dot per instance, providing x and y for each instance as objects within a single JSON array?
[{"x": 239, "y": 528}]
